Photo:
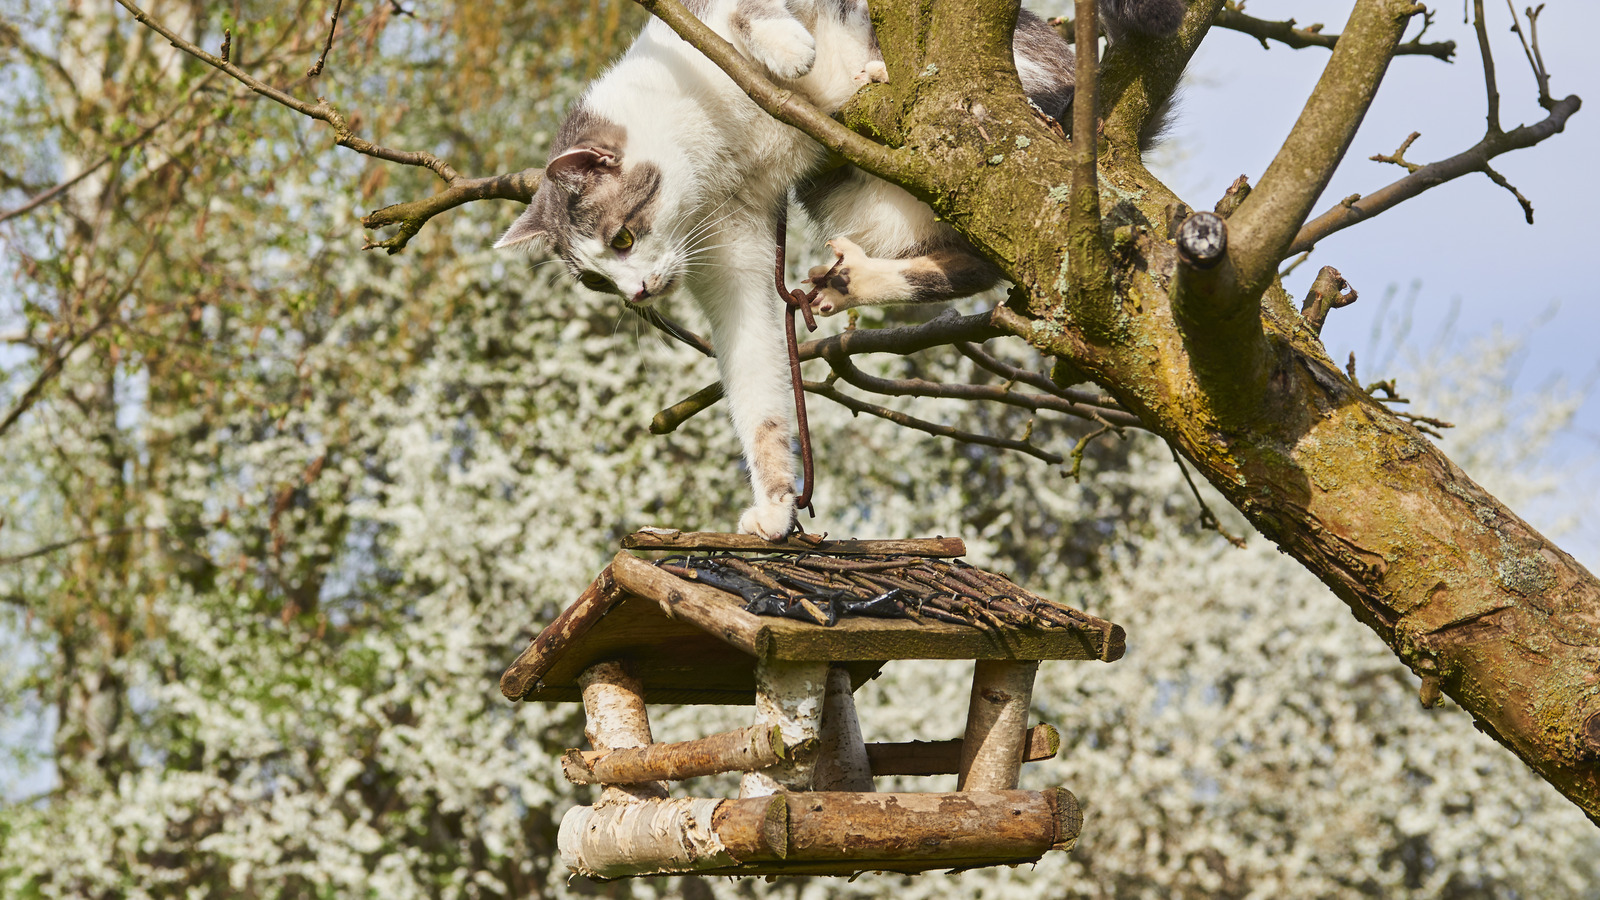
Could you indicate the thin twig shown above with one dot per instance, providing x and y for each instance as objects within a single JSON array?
[
  {"x": 1286, "y": 33},
  {"x": 853, "y": 404},
  {"x": 47, "y": 549},
  {"x": 333, "y": 24},
  {"x": 1490, "y": 86},
  {"x": 321, "y": 110},
  {"x": 1208, "y": 519},
  {"x": 169, "y": 115}
]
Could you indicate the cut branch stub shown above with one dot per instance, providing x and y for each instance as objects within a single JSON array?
[
  {"x": 1329, "y": 292},
  {"x": 1203, "y": 240}
]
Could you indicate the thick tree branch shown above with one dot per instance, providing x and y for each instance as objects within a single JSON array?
[
  {"x": 1092, "y": 299},
  {"x": 1265, "y": 225},
  {"x": 1286, "y": 33}
]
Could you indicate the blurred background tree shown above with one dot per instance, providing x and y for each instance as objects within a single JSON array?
[{"x": 275, "y": 514}]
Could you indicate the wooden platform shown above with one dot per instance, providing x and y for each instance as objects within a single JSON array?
[{"x": 692, "y": 643}]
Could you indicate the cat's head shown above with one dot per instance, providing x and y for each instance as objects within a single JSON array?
[{"x": 609, "y": 217}]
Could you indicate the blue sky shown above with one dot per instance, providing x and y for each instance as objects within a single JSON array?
[{"x": 1464, "y": 243}]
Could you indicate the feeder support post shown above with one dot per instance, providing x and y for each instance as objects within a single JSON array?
[
  {"x": 789, "y": 696},
  {"x": 613, "y": 702},
  {"x": 842, "y": 763},
  {"x": 997, "y": 724}
]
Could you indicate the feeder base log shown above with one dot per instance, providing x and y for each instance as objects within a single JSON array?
[
  {"x": 668, "y": 836},
  {"x": 824, "y": 833}
]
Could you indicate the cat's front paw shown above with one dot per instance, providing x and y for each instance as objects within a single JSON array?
[
  {"x": 833, "y": 282},
  {"x": 783, "y": 46},
  {"x": 771, "y": 520}
]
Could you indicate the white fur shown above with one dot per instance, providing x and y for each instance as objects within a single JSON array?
[{"x": 727, "y": 168}]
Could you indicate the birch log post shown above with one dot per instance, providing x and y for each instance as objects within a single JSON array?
[
  {"x": 613, "y": 703},
  {"x": 997, "y": 724},
  {"x": 788, "y": 696},
  {"x": 842, "y": 763}
]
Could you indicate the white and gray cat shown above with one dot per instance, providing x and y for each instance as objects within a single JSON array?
[{"x": 665, "y": 178}]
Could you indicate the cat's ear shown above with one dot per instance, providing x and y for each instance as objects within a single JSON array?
[
  {"x": 526, "y": 228},
  {"x": 573, "y": 169}
]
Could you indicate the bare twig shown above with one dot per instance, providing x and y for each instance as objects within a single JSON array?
[
  {"x": 823, "y": 389},
  {"x": 1490, "y": 86},
  {"x": 918, "y": 387},
  {"x": 409, "y": 216},
  {"x": 1398, "y": 157},
  {"x": 1233, "y": 18},
  {"x": 1328, "y": 292},
  {"x": 1535, "y": 57},
  {"x": 1208, "y": 519},
  {"x": 1080, "y": 448},
  {"x": 47, "y": 549},
  {"x": 333, "y": 24}
]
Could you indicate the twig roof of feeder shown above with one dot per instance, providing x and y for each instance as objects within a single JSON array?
[{"x": 690, "y": 642}]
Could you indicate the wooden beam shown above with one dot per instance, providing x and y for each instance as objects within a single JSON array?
[
  {"x": 596, "y": 600},
  {"x": 668, "y": 836},
  {"x": 789, "y": 697},
  {"x": 708, "y": 540},
  {"x": 842, "y": 763},
  {"x": 713, "y": 611},
  {"x": 743, "y": 750},
  {"x": 944, "y": 757}
]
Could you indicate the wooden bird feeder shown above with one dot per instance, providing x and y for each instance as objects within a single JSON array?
[{"x": 677, "y": 630}]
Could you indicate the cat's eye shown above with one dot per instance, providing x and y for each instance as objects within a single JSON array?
[
  {"x": 623, "y": 240},
  {"x": 594, "y": 281}
]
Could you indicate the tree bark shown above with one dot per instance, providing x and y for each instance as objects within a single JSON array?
[{"x": 842, "y": 763}]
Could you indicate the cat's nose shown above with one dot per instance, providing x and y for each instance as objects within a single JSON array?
[{"x": 642, "y": 295}]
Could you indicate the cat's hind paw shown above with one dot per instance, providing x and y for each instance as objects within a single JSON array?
[
  {"x": 783, "y": 46},
  {"x": 875, "y": 72},
  {"x": 771, "y": 520}
]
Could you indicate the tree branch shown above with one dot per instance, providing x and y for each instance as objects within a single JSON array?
[
  {"x": 1476, "y": 159},
  {"x": 1088, "y": 262},
  {"x": 163, "y": 119},
  {"x": 1285, "y": 32},
  {"x": 409, "y": 216},
  {"x": 1266, "y": 223},
  {"x": 825, "y": 389}
]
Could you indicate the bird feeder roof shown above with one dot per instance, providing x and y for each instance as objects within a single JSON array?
[{"x": 692, "y": 642}]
